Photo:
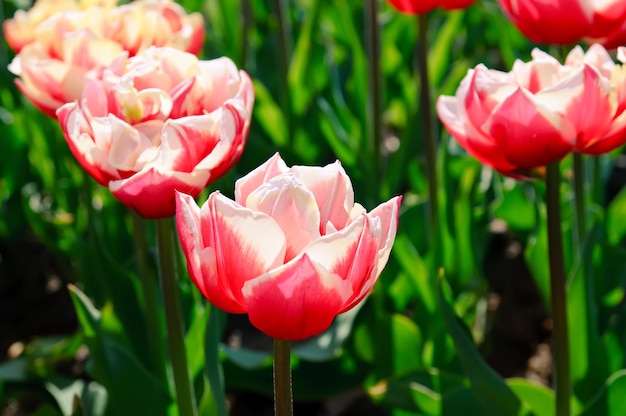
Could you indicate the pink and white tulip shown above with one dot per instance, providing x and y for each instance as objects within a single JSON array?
[
  {"x": 539, "y": 112},
  {"x": 615, "y": 120},
  {"x": 158, "y": 122},
  {"x": 292, "y": 250},
  {"x": 21, "y": 30},
  {"x": 74, "y": 46}
]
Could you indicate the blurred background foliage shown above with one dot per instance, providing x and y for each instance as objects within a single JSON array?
[{"x": 410, "y": 349}]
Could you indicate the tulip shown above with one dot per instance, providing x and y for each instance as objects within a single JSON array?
[
  {"x": 614, "y": 121},
  {"x": 613, "y": 40},
  {"x": 50, "y": 78},
  {"x": 143, "y": 23},
  {"x": 73, "y": 47},
  {"x": 292, "y": 250},
  {"x": 20, "y": 30},
  {"x": 158, "y": 122},
  {"x": 565, "y": 21},
  {"x": 537, "y": 113},
  {"x": 423, "y": 6}
]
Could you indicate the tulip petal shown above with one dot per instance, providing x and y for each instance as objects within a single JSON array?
[
  {"x": 332, "y": 189},
  {"x": 245, "y": 245},
  {"x": 150, "y": 192},
  {"x": 388, "y": 214},
  {"x": 452, "y": 114},
  {"x": 528, "y": 134},
  {"x": 289, "y": 203},
  {"x": 79, "y": 137},
  {"x": 191, "y": 139},
  {"x": 295, "y": 301},
  {"x": 274, "y": 166},
  {"x": 349, "y": 253},
  {"x": 190, "y": 236}
]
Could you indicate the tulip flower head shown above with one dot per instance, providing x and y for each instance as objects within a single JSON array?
[
  {"x": 563, "y": 22},
  {"x": 423, "y": 6},
  {"x": 292, "y": 250},
  {"x": 539, "y": 112},
  {"x": 72, "y": 47},
  {"x": 158, "y": 122},
  {"x": 21, "y": 29}
]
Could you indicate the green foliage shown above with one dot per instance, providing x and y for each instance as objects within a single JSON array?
[{"x": 411, "y": 345}]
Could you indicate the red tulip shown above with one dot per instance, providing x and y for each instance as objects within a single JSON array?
[
  {"x": 539, "y": 112},
  {"x": 565, "y": 21},
  {"x": 423, "y": 6},
  {"x": 158, "y": 122},
  {"x": 293, "y": 250}
]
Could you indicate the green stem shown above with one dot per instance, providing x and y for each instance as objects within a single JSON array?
[
  {"x": 560, "y": 337},
  {"x": 284, "y": 51},
  {"x": 174, "y": 319},
  {"x": 598, "y": 187},
  {"x": 374, "y": 99},
  {"x": 283, "y": 405},
  {"x": 579, "y": 200},
  {"x": 149, "y": 289},
  {"x": 429, "y": 138}
]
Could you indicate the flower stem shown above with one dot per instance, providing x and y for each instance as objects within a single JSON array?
[
  {"x": 560, "y": 337},
  {"x": 374, "y": 99},
  {"x": 429, "y": 138},
  {"x": 173, "y": 318},
  {"x": 284, "y": 51},
  {"x": 150, "y": 299},
  {"x": 282, "y": 379},
  {"x": 579, "y": 200}
]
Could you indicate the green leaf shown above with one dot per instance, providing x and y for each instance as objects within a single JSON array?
[
  {"x": 214, "y": 371},
  {"x": 516, "y": 208},
  {"x": 269, "y": 115},
  {"x": 588, "y": 359},
  {"x": 610, "y": 399},
  {"x": 194, "y": 343},
  {"x": 537, "y": 398},
  {"x": 91, "y": 396},
  {"x": 406, "y": 344},
  {"x": 463, "y": 401},
  {"x": 14, "y": 370},
  {"x": 308, "y": 72},
  {"x": 132, "y": 390},
  {"x": 328, "y": 344},
  {"x": 537, "y": 259},
  {"x": 417, "y": 391},
  {"x": 615, "y": 224},
  {"x": 439, "y": 51},
  {"x": 488, "y": 387}
]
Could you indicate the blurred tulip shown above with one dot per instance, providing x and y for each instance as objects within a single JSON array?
[
  {"x": 20, "y": 30},
  {"x": 563, "y": 22},
  {"x": 158, "y": 122},
  {"x": 539, "y": 112},
  {"x": 423, "y": 6},
  {"x": 50, "y": 78},
  {"x": 75, "y": 46},
  {"x": 293, "y": 250},
  {"x": 614, "y": 121},
  {"x": 143, "y": 23}
]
